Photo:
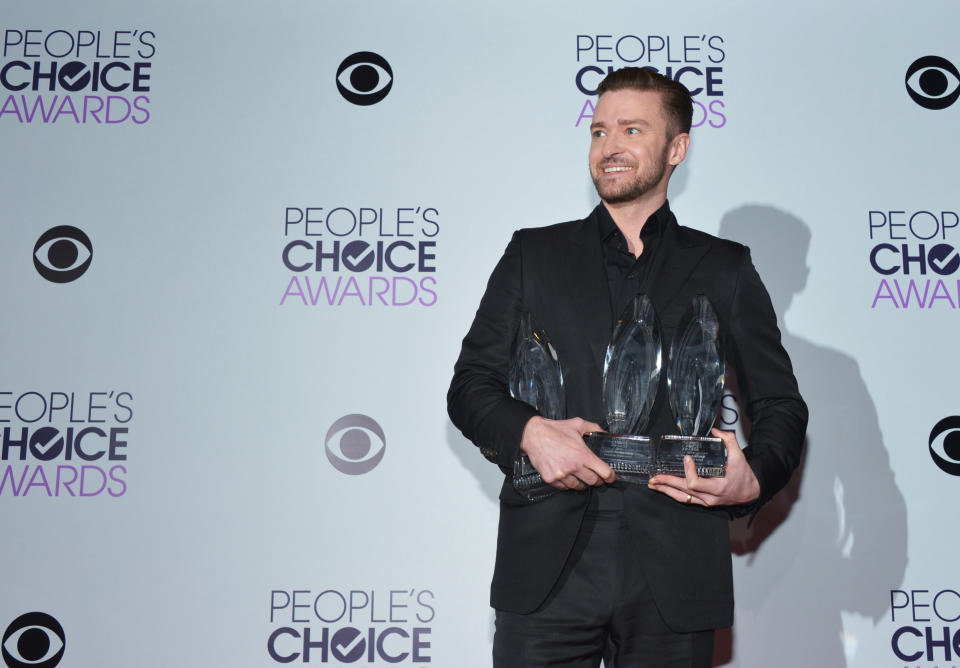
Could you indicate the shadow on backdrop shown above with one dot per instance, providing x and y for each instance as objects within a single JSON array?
[{"x": 835, "y": 539}]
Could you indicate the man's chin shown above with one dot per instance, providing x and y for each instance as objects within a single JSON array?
[{"x": 618, "y": 196}]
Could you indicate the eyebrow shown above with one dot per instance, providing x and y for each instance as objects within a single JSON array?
[{"x": 622, "y": 122}]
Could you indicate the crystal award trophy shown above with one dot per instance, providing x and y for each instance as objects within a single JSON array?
[
  {"x": 631, "y": 372},
  {"x": 535, "y": 379},
  {"x": 695, "y": 374}
]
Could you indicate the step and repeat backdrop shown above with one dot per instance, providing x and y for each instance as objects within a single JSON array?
[{"x": 241, "y": 243}]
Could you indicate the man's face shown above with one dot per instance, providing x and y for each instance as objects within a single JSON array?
[{"x": 629, "y": 149}]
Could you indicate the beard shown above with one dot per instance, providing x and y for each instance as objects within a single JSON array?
[{"x": 628, "y": 190}]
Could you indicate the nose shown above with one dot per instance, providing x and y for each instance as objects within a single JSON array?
[{"x": 611, "y": 146}]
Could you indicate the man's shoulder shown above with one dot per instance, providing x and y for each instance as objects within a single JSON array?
[
  {"x": 586, "y": 229},
  {"x": 567, "y": 232},
  {"x": 726, "y": 247},
  {"x": 557, "y": 229}
]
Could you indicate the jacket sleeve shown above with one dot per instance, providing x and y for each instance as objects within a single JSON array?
[
  {"x": 479, "y": 401},
  {"x": 768, "y": 389}
]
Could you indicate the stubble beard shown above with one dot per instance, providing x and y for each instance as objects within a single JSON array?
[{"x": 643, "y": 182}]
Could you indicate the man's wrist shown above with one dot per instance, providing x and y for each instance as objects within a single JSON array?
[{"x": 526, "y": 438}]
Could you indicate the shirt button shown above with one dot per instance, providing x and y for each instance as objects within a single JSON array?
[{"x": 632, "y": 274}]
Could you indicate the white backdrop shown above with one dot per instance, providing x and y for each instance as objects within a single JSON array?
[{"x": 218, "y": 531}]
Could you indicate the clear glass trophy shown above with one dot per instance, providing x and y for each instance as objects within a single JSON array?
[
  {"x": 631, "y": 372},
  {"x": 695, "y": 375},
  {"x": 536, "y": 379}
]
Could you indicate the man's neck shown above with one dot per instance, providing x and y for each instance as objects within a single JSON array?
[{"x": 631, "y": 216}]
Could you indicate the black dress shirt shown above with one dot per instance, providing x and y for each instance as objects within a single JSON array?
[{"x": 626, "y": 276}]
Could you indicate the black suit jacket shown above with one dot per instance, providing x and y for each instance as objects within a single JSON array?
[{"x": 558, "y": 274}]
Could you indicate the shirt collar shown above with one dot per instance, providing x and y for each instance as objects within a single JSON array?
[{"x": 654, "y": 226}]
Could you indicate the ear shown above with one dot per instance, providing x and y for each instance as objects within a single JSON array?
[{"x": 678, "y": 148}]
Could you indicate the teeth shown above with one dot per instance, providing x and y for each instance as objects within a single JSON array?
[{"x": 607, "y": 170}]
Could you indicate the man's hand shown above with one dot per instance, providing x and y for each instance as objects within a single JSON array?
[
  {"x": 557, "y": 450},
  {"x": 739, "y": 486}
]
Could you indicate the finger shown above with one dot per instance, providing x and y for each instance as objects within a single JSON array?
[
  {"x": 602, "y": 470},
  {"x": 568, "y": 483},
  {"x": 591, "y": 426},
  {"x": 664, "y": 483},
  {"x": 729, "y": 439},
  {"x": 597, "y": 466},
  {"x": 588, "y": 477},
  {"x": 603, "y": 479},
  {"x": 558, "y": 479},
  {"x": 679, "y": 495},
  {"x": 690, "y": 472},
  {"x": 596, "y": 472},
  {"x": 705, "y": 489},
  {"x": 608, "y": 478},
  {"x": 668, "y": 480}
]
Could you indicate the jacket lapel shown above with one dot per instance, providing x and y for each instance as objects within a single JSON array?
[
  {"x": 678, "y": 256},
  {"x": 585, "y": 281}
]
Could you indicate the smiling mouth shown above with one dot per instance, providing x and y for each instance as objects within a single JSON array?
[{"x": 612, "y": 170}]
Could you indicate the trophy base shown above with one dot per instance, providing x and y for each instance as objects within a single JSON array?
[
  {"x": 708, "y": 452},
  {"x": 527, "y": 481},
  {"x": 630, "y": 457}
]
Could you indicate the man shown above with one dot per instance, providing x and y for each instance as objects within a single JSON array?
[{"x": 638, "y": 575}]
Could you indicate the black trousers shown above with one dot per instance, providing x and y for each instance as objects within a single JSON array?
[{"x": 600, "y": 608}]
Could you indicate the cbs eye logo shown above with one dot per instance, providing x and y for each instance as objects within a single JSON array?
[
  {"x": 349, "y": 445},
  {"x": 364, "y": 78},
  {"x": 945, "y": 445},
  {"x": 33, "y": 640},
  {"x": 62, "y": 254},
  {"x": 933, "y": 82}
]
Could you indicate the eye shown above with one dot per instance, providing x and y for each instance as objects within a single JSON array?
[
  {"x": 599, "y": 133},
  {"x": 933, "y": 82},
  {"x": 62, "y": 254},
  {"x": 945, "y": 445},
  {"x": 633, "y": 131},
  {"x": 34, "y": 640},
  {"x": 364, "y": 78},
  {"x": 351, "y": 444}
]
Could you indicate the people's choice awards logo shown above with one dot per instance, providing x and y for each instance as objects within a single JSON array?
[
  {"x": 933, "y": 82},
  {"x": 360, "y": 255},
  {"x": 362, "y": 626},
  {"x": 33, "y": 640},
  {"x": 925, "y": 619},
  {"x": 916, "y": 251},
  {"x": 349, "y": 445},
  {"x": 945, "y": 444},
  {"x": 696, "y": 60},
  {"x": 62, "y": 254},
  {"x": 364, "y": 78},
  {"x": 64, "y": 443},
  {"x": 90, "y": 77}
]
